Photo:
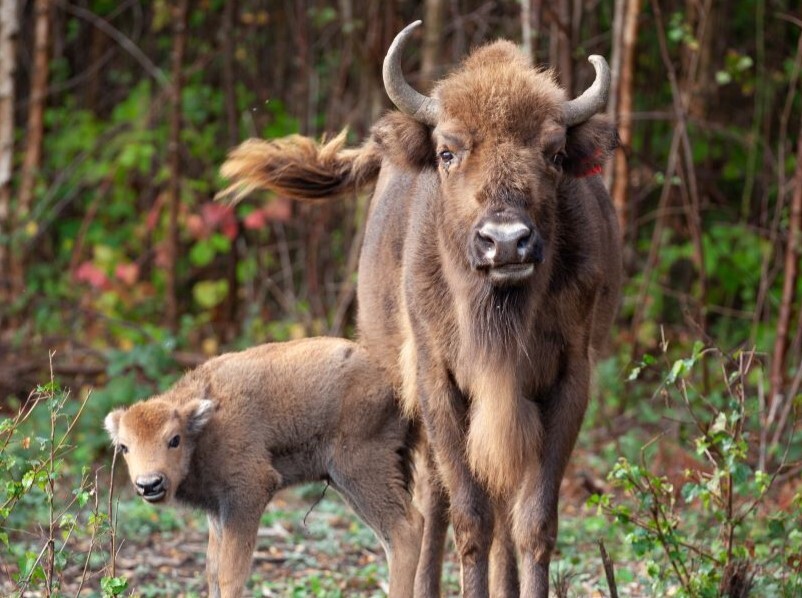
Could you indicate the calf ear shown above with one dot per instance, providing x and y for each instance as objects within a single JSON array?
[
  {"x": 112, "y": 424},
  {"x": 198, "y": 414},
  {"x": 588, "y": 146}
]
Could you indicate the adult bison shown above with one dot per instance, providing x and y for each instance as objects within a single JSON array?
[{"x": 489, "y": 276}]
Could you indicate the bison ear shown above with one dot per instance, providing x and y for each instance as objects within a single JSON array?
[
  {"x": 405, "y": 141},
  {"x": 588, "y": 146},
  {"x": 198, "y": 414},
  {"x": 112, "y": 424}
]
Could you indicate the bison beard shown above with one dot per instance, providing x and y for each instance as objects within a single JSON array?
[{"x": 496, "y": 366}]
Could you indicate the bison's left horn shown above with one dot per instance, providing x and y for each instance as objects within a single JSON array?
[
  {"x": 422, "y": 108},
  {"x": 595, "y": 97}
]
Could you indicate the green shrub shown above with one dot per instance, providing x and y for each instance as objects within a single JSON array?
[
  {"x": 46, "y": 490},
  {"x": 724, "y": 532}
]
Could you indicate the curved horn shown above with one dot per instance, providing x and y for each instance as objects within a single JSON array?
[
  {"x": 595, "y": 97},
  {"x": 422, "y": 108}
]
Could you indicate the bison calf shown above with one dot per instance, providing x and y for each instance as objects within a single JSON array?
[{"x": 242, "y": 426}]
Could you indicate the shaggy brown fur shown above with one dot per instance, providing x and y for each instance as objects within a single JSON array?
[
  {"x": 242, "y": 426},
  {"x": 496, "y": 367}
]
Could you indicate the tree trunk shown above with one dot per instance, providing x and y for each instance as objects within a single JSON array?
[
  {"x": 229, "y": 73},
  {"x": 566, "y": 63},
  {"x": 624, "y": 112},
  {"x": 790, "y": 276},
  {"x": 526, "y": 27},
  {"x": 36, "y": 107},
  {"x": 34, "y": 132},
  {"x": 432, "y": 52},
  {"x": 559, "y": 14},
  {"x": 174, "y": 153},
  {"x": 9, "y": 25},
  {"x": 536, "y": 18},
  {"x": 232, "y": 138},
  {"x": 615, "y": 74}
]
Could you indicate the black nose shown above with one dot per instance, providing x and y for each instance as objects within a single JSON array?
[
  {"x": 502, "y": 243},
  {"x": 149, "y": 486}
]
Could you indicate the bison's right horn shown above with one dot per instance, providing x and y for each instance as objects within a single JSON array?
[
  {"x": 422, "y": 108},
  {"x": 595, "y": 97}
]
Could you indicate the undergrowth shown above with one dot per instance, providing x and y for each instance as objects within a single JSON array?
[
  {"x": 50, "y": 505},
  {"x": 726, "y": 521}
]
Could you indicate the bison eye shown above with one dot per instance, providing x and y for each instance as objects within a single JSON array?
[
  {"x": 557, "y": 160},
  {"x": 174, "y": 441},
  {"x": 123, "y": 449},
  {"x": 446, "y": 157}
]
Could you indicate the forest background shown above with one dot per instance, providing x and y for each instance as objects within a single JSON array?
[{"x": 118, "y": 270}]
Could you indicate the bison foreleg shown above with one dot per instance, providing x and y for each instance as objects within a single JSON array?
[
  {"x": 535, "y": 511},
  {"x": 444, "y": 410},
  {"x": 503, "y": 564}
]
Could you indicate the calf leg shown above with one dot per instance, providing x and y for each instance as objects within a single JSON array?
[
  {"x": 236, "y": 551},
  {"x": 213, "y": 556},
  {"x": 239, "y": 517},
  {"x": 374, "y": 482},
  {"x": 403, "y": 553},
  {"x": 433, "y": 501}
]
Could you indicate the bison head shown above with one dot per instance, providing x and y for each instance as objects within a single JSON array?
[
  {"x": 156, "y": 438},
  {"x": 505, "y": 142}
]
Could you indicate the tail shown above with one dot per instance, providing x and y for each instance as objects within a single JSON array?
[{"x": 299, "y": 167}]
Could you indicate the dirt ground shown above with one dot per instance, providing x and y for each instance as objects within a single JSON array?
[{"x": 306, "y": 547}]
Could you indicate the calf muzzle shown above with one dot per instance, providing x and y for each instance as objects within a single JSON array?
[{"x": 151, "y": 487}]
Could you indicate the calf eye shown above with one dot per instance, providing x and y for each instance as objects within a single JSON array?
[
  {"x": 123, "y": 449},
  {"x": 174, "y": 441}
]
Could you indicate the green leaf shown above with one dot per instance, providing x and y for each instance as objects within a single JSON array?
[
  {"x": 723, "y": 77},
  {"x": 624, "y": 575},
  {"x": 113, "y": 586},
  {"x": 210, "y": 293},
  {"x": 679, "y": 368},
  {"x": 83, "y": 498},
  {"x": 719, "y": 424},
  {"x": 221, "y": 243},
  {"x": 202, "y": 253}
]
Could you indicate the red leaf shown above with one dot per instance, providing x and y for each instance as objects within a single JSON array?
[
  {"x": 90, "y": 274},
  {"x": 220, "y": 217},
  {"x": 255, "y": 220},
  {"x": 278, "y": 210},
  {"x": 197, "y": 227},
  {"x": 127, "y": 273}
]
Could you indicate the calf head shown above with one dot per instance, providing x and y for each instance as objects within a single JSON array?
[
  {"x": 504, "y": 139},
  {"x": 156, "y": 438}
]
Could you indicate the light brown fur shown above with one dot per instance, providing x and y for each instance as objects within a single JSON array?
[
  {"x": 499, "y": 374},
  {"x": 251, "y": 423}
]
